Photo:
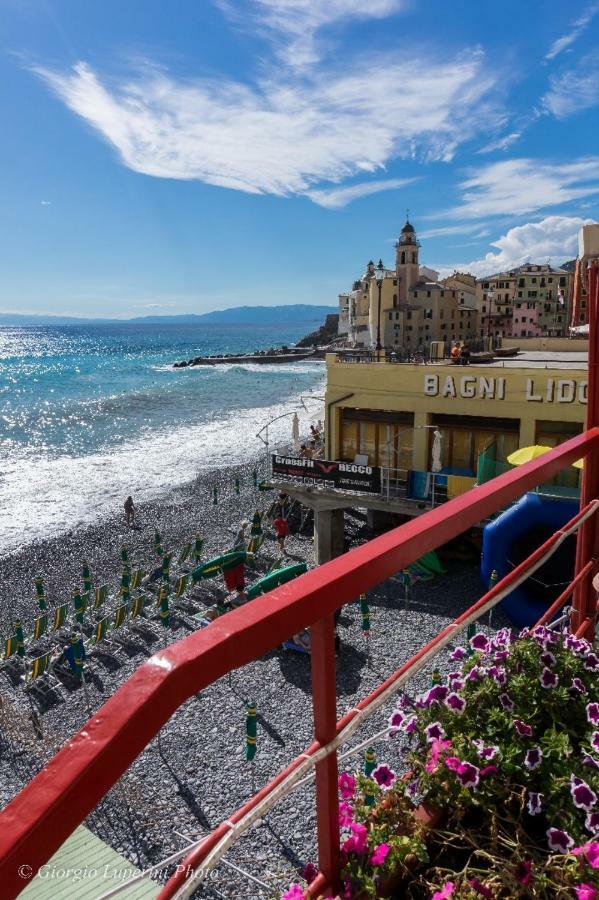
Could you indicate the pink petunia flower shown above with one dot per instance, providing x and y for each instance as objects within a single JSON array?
[
  {"x": 347, "y": 785},
  {"x": 593, "y": 713},
  {"x": 434, "y": 732},
  {"x": 456, "y": 703},
  {"x": 474, "y": 674},
  {"x": 501, "y": 655},
  {"x": 522, "y": 728},
  {"x": 591, "y": 823},
  {"x": 395, "y": 722},
  {"x": 380, "y": 855},
  {"x": 384, "y": 776},
  {"x": 577, "y": 686},
  {"x": 559, "y": 840},
  {"x": 548, "y": 659},
  {"x": 534, "y": 803},
  {"x": 591, "y": 851},
  {"x": 458, "y": 654},
  {"x": 524, "y": 871},
  {"x": 346, "y": 814},
  {"x": 357, "y": 842},
  {"x": 548, "y": 679},
  {"x": 488, "y": 770},
  {"x": 295, "y": 892},
  {"x": 479, "y": 642},
  {"x": 591, "y": 662},
  {"x": 309, "y": 872},
  {"x": 582, "y": 795},
  {"x": 507, "y": 702},
  {"x": 437, "y": 748},
  {"x": 533, "y": 758},
  {"x": 585, "y": 892},
  {"x": 486, "y": 753},
  {"x": 452, "y": 763},
  {"x": 595, "y": 740},
  {"x": 590, "y": 761},
  {"x": 445, "y": 892}
]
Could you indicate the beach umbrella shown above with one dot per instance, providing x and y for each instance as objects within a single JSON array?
[
  {"x": 19, "y": 637},
  {"x": 214, "y": 495},
  {"x": 250, "y": 732},
  {"x": 39, "y": 592},
  {"x": 124, "y": 556},
  {"x": 256, "y": 528},
  {"x": 75, "y": 654},
  {"x": 164, "y": 610},
  {"x": 237, "y": 485},
  {"x": 579, "y": 464},
  {"x": 295, "y": 432},
  {"x": 365, "y": 610},
  {"x": 197, "y": 548},
  {"x": 275, "y": 578},
  {"x": 369, "y": 761},
  {"x": 125, "y": 582},
  {"x": 436, "y": 677},
  {"x": 79, "y": 605},
  {"x": 166, "y": 565},
  {"x": 436, "y": 451},
  {"x": 526, "y": 454},
  {"x": 157, "y": 544},
  {"x": 87, "y": 578}
]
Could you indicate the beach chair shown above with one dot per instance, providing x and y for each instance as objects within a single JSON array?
[
  {"x": 136, "y": 578},
  {"x": 40, "y": 677},
  {"x": 120, "y": 616},
  {"x": 40, "y": 627},
  {"x": 100, "y": 632},
  {"x": 184, "y": 554},
  {"x": 100, "y": 595},
  {"x": 11, "y": 663},
  {"x": 60, "y": 616}
]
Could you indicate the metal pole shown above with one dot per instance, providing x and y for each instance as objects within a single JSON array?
[
  {"x": 324, "y": 697},
  {"x": 378, "y": 323}
]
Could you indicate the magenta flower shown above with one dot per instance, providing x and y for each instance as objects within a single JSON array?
[
  {"x": 357, "y": 842},
  {"x": 384, "y": 776},
  {"x": 577, "y": 686},
  {"x": 591, "y": 851},
  {"x": 396, "y": 720},
  {"x": 481, "y": 889},
  {"x": 467, "y": 774},
  {"x": 479, "y": 642},
  {"x": 590, "y": 761},
  {"x": 309, "y": 872},
  {"x": 533, "y": 758},
  {"x": 434, "y": 732},
  {"x": 437, "y": 694},
  {"x": 452, "y": 763},
  {"x": 346, "y": 814},
  {"x": 582, "y": 795},
  {"x": 524, "y": 871},
  {"x": 591, "y": 822},
  {"x": 559, "y": 840},
  {"x": 437, "y": 748},
  {"x": 522, "y": 728},
  {"x": 380, "y": 855},
  {"x": 456, "y": 703},
  {"x": 548, "y": 659},
  {"x": 507, "y": 702},
  {"x": 445, "y": 892},
  {"x": 591, "y": 662},
  {"x": 413, "y": 787},
  {"x": 501, "y": 655},
  {"x": 347, "y": 785},
  {"x": 458, "y": 654},
  {"x": 295, "y": 892},
  {"x": 474, "y": 674},
  {"x": 548, "y": 679},
  {"x": 585, "y": 892},
  {"x": 486, "y": 753},
  {"x": 593, "y": 713},
  {"x": 534, "y": 803},
  {"x": 498, "y": 675},
  {"x": 410, "y": 725}
]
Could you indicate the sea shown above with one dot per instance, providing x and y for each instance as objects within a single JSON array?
[{"x": 90, "y": 414}]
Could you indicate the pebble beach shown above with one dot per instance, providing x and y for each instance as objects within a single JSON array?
[{"x": 194, "y": 774}]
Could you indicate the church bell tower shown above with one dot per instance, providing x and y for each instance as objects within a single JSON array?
[{"x": 406, "y": 261}]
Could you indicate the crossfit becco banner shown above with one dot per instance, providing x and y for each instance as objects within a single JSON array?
[{"x": 343, "y": 475}]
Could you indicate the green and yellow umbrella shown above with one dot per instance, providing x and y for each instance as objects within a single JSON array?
[
  {"x": 20, "y": 638},
  {"x": 75, "y": 654},
  {"x": 40, "y": 593},
  {"x": 125, "y": 557},
  {"x": 369, "y": 761},
  {"x": 79, "y": 605},
  {"x": 198, "y": 545},
  {"x": 527, "y": 454},
  {"x": 125, "y": 587},
  {"x": 250, "y": 732},
  {"x": 165, "y": 618},
  {"x": 157, "y": 544}
]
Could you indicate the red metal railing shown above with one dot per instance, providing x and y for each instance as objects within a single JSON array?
[{"x": 35, "y": 824}]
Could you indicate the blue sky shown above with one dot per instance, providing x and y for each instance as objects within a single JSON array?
[{"x": 179, "y": 157}]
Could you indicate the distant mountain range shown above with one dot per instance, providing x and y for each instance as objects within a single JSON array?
[{"x": 237, "y": 315}]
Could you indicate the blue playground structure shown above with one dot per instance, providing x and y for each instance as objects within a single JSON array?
[{"x": 513, "y": 536}]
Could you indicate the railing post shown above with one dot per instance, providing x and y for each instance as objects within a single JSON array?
[
  {"x": 584, "y": 602},
  {"x": 324, "y": 698}
]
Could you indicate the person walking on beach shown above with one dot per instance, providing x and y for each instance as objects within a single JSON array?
[
  {"x": 129, "y": 511},
  {"x": 282, "y": 529}
]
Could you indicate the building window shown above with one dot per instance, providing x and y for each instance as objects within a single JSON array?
[
  {"x": 550, "y": 281},
  {"x": 415, "y": 293},
  {"x": 428, "y": 293},
  {"x": 484, "y": 309},
  {"x": 442, "y": 293},
  {"x": 428, "y": 313},
  {"x": 534, "y": 280},
  {"x": 409, "y": 314},
  {"x": 394, "y": 299},
  {"x": 403, "y": 257},
  {"x": 390, "y": 316},
  {"x": 486, "y": 285},
  {"x": 395, "y": 282},
  {"x": 532, "y": 293},
  {"x": 520, "y": 282}
]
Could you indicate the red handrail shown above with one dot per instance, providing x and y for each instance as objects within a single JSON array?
[{"x": 50, "y": 807}]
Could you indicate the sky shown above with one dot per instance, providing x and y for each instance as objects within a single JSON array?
[{"x": 165, "y": 158}]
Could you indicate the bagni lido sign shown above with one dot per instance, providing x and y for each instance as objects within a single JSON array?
[{"x": 479, "y": 387}]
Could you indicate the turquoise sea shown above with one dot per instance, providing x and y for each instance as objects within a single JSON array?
[{"x": 89, "y": 414}]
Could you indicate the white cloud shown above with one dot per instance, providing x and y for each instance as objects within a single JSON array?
[
  {"x": 465, "y": 228},
  {"x": 501, "y": 143},
  {"x": 294, "y": 24},
  {"x": 45, "y": 203},
  {"x": 554, "y": 238},
  {"x": 574, "y": 90},
  {"x": 577, "y": 27},
  {"x": 284, "y": 136},
  {"x": 334, "y": 198},
  {"x": 520, "y": 186}
]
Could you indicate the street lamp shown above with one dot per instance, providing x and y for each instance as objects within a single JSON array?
[{"x": 380, "y": 274}]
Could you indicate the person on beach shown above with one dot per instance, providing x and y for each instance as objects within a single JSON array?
[
  {"x": 240, "y": 541},
  {"x": 304, "y": 453},
  {"x": 282, "y": 530},
  {"x": 317, "y": 452},
  {"x": 129, "y": 511}
]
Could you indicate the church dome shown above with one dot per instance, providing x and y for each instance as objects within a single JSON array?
[{"x": 408, "y": 228}]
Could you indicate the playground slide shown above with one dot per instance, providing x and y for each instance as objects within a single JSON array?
[{"x": 512, "y": 537}]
